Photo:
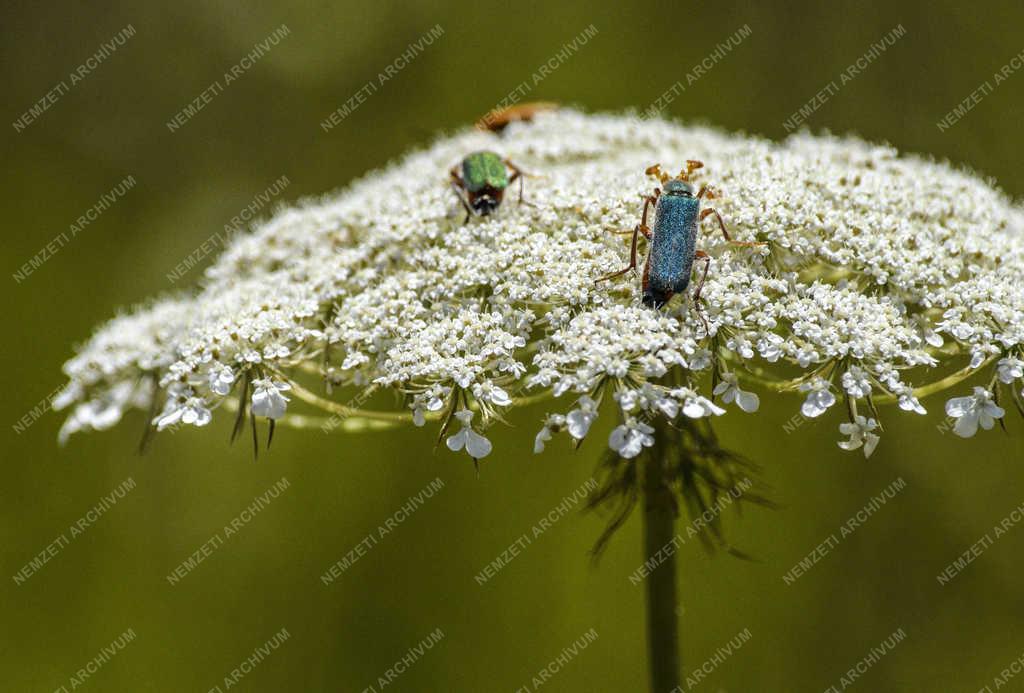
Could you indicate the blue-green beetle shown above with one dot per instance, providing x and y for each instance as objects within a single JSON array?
[
  {"x": 673, "y": 246},
  {"x": 480, "y": 186}
]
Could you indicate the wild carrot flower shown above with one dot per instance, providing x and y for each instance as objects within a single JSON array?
[{"x": 883, "y": 278}]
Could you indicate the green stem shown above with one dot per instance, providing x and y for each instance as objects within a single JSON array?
[
  {"x": 662, "y": 619},
  {"x": 919, "y": 392}
]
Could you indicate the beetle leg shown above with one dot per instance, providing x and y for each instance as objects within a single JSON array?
[
  {"x": 644, "y": 228},
  {"x": 707, "y": 191},
  {"x": 640, "y": 228},
  {"x": 721, "y": 225},
  {"x": 632, "y": 259},
  {"x": 465, "y": 205},
  {"x": 648, "y": 201},
  {"x": 517, "y": 173},
  {"x": 701, "y": 255},
  {"x": 457, "y": 186}
]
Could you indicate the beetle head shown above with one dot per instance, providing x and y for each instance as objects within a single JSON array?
[
  {"x": 680, "y": 185},
  {"x": 654, "y": 298},
  {"x": 677, "y": 186},
  {"x": 484, "y": 204}
]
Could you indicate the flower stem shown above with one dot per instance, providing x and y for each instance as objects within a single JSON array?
[
  {"x": 659, "y": 531},
  {"x": 919, "y": 392}
]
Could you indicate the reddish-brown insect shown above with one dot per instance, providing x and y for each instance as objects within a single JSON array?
[{"x": 498, "y": 120}]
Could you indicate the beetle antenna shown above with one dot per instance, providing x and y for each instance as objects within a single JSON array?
[{"x": 656, "y": 171}]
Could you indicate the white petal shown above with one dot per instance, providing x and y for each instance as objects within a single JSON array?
[
  {"x": 542, "y": 437},
  {"x": 967, "y": 425},
  {"x": 280, "y": 405},
  {"x": 810, "y": 409},
  {"x": 260, "y": 402},
  {"x": 633, "y": 446},
  {"x": 817, "y": 403},
  {"x": 268, "y": 402},
  {"x": 578, "y": 423},
  {"x": 457, "y": 441},
  {"x": 994, "y": 410},
  {"x": 71, "y": 392},
  {"x": 105, "y": 417},
  {"x": 910, "y": 403},
  {"x": 477, "y": 446},
  {"x": 693, "y": 409},
  {"x": 500, "y": 397},
  {"x": 668, "y": 407},
  {"x": 748, "y": 401},
  {"x": 617, "y": 438},
  {"x": 958, "y": 406},
  {"x": 72, "y": 424},
  {"x": 168, "y": 419},
  {"x": 870, "y": 443}
]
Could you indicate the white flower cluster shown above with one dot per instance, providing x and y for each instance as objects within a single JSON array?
[{"x": 876, "y": 268}]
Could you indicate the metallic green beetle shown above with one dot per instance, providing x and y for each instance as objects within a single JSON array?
[{"x": 481, "y": 185}]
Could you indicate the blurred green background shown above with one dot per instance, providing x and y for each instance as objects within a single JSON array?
[{"x": 420, "y": 577}]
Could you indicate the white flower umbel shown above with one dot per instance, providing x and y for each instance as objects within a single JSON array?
[{"x": 883, "y": 278}]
